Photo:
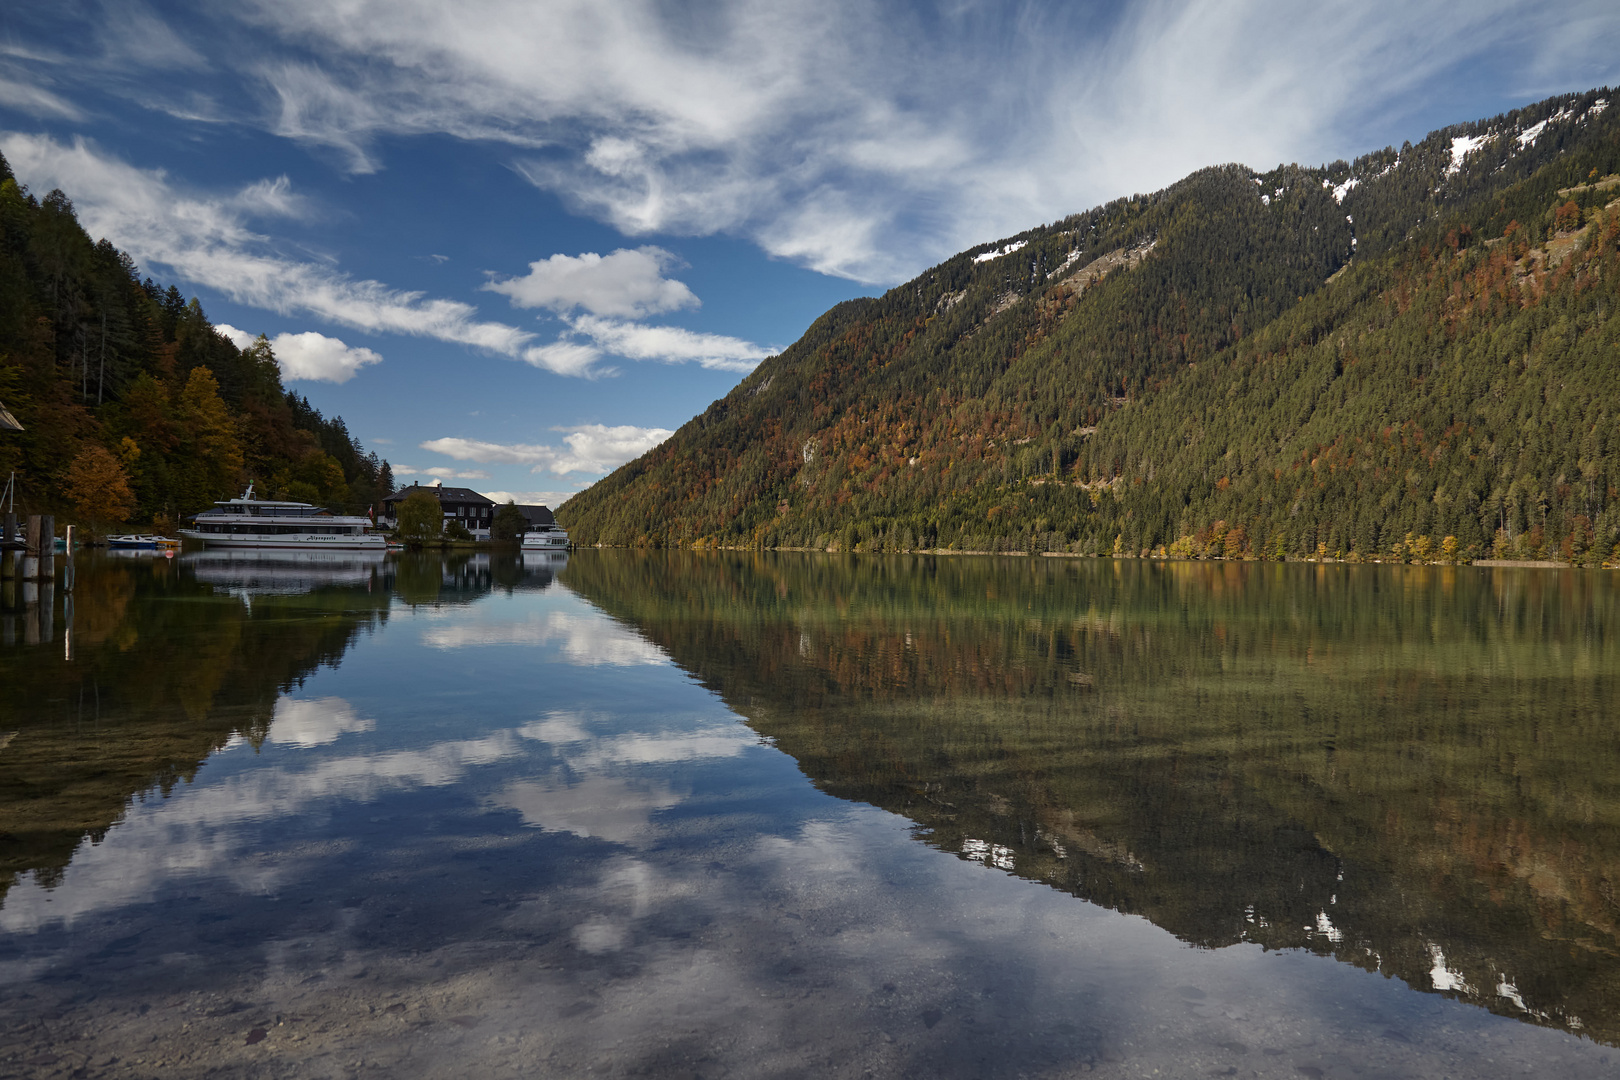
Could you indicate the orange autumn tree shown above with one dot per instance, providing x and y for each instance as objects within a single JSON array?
[{"x": 99, "y": 488}]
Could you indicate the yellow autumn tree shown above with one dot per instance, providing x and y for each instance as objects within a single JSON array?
[
  {"x": 99, "y": 488},
  {"x": 210, "y": 457}
]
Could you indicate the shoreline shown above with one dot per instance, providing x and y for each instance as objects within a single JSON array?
[{"x": 1498, "y": 564}]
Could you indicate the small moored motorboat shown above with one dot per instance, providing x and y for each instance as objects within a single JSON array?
[{"x": 146, "y": 541}]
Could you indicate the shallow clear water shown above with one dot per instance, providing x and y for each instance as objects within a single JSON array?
[{"x": 784, "y": 815}]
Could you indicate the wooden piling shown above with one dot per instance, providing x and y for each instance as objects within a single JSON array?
[{"x": 47, "y": 546}]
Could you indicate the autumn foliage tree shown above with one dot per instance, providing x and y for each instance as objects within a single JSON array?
[{"x": 99, "y": 488}]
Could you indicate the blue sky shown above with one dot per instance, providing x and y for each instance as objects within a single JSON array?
[{"x": 514, "y": 244}]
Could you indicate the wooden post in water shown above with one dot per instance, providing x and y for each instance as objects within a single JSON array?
[
  {"x": 47, "y": 547},
  {"x": 29, "y": 568},
  {"x": 8, "y": 558},
  {"x": 67, "y": 567}
]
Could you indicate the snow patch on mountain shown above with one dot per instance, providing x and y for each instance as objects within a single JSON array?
[
  {"x": 1461, "y": 147},
  {"x": 1008, "y": 250},
  {"x": 1340, "y": 190}
]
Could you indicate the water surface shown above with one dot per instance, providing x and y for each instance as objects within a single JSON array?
[{"x": 790, "y": 815}]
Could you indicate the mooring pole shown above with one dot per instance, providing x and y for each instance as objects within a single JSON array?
[{"x": 47, "y": 546}]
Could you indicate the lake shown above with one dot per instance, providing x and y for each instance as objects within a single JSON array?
[{"x": 774, "y": 814}]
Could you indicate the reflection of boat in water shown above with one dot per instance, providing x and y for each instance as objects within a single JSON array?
[
  {"x": 141, "y": 541},
  {"x": 545, "y": 539},
  {"x": 272, "y": 523},
  {"x": 285, "y": 573}
]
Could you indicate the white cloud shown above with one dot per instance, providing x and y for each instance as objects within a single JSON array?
[
  {"x": 565, "y": 358},
  {"x": 553, "y": 499},
  {"x": 670, "y": 344},
  {"x": 625, "y": 283},
  {"x": 309, "y": 355},
  {"x": 456, "y": 474},
  {"x": 591, "y": 448}
]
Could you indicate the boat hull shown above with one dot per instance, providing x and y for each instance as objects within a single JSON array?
[{"x": 290, "y": 541}]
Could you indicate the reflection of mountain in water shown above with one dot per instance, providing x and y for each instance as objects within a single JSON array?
[{"x": 1411, "y": 769}]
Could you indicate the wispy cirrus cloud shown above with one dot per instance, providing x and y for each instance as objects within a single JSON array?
[
  {"x": 205, "y": 239},
  {"x": 588, "y": 448},
  {"x": 869, "y": 139}
]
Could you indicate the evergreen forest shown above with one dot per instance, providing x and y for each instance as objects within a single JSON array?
[
  {"x": 1411, "y": 356},
  {"x": 134, "y": 409}
]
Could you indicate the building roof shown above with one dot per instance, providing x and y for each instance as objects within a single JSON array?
[
  {"x": 537, "y": 516},
  {"x": 442, "y": 493},
  {"x": 7, "y": 421}
]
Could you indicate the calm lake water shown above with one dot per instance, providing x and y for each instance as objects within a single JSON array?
[{"x": 742, "y": 815}]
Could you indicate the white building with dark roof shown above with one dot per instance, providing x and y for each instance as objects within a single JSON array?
[{"x": 472, "y": 510}]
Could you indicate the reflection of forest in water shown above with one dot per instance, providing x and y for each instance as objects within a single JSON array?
[
  {"x": 123, "y": 687},
  {"x": 1415, "y": 769}
]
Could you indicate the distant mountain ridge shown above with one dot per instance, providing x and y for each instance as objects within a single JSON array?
[{"x": 1409, "y": 355}]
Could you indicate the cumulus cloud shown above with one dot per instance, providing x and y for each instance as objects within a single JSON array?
[
  {"x": 309, "y": 355},
  {"x": 629, "y": 284},
  {"x": 589, "y": 448}
]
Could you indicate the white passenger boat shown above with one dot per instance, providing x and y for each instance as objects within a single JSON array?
[
  {"x": 550, "y": 539},
  {"x": 272, "y": 523}
]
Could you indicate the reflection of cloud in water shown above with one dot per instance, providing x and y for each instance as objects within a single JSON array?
[
  {"x": 605, "y": 807},
  {"x": 586, "y": 640},
  {"x": 567, "y": 729},
  {"x": 315, "y": 721},
  {"x": 199, "y": 834}
]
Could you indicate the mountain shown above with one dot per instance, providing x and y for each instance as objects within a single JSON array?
[
  {"x": 1409, "y": 355},
  {"x": 133, "y": 407}
]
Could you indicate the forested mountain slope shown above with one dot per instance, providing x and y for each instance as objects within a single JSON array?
[
  {"x": 134, "y": 408},
  {"x": 1311, "y": 360}
]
